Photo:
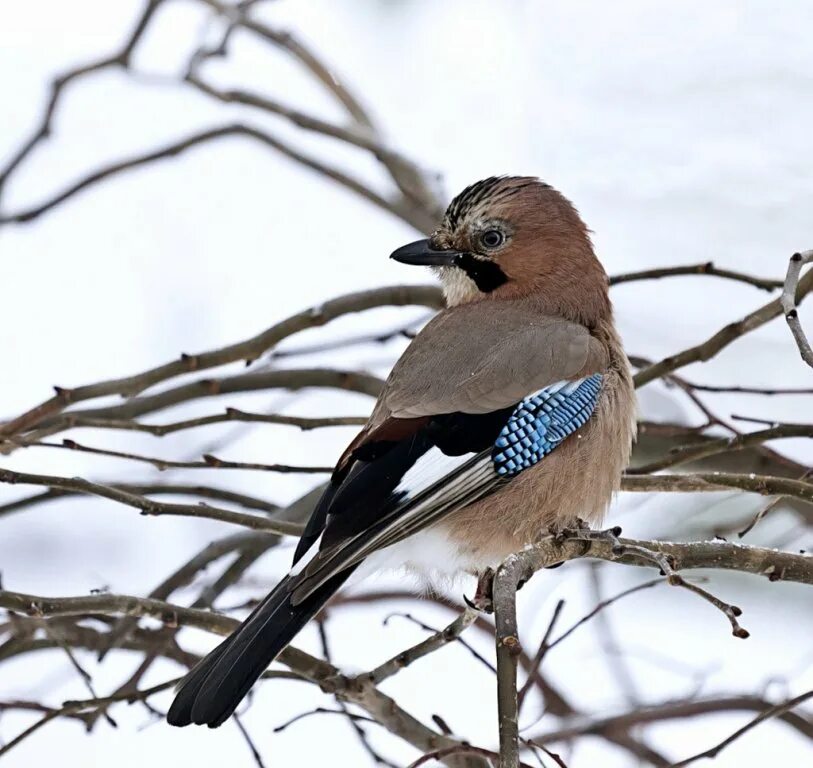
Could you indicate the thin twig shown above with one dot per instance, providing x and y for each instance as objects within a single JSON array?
[
  {"x": 207, "y": 461},
  {"x": 249, "y": 349},
  {"x": 777, "y": 709},
  {"x": 461, "y": 749},
  {"x": 304, "y": 423},
  {"x": 437, "y": 640},
  {"x": 682, "y": 454},
  {"x": 150, "y": 489},
  {"x": 150, "y": 506},
  {"x": 120, "y": 58},
  {"x": 789, "y": 302},
  {"x": 671, "y": 710},
  {"x": 718, "y": 481},
  {"x": 290, "y": 379},
  {"x": 255, "y": 753},
  {"x": 720, "y": 340},
  {"x": 544, "y": 645},
  {"x": 76, "y": 707},
  {"x": 703, "y": 268}
]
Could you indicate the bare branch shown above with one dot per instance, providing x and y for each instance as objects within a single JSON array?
[
  {"x": 721, "y": 339},
  {"x": 431, "y": 644},
  {"x": 207, "y": 461},
  {"x": 304, "y": 423},
  {"x": 290, "y": 379},
  {"x": 718, "y": 481},
  {"x": 711, "y": 447},
  {"x": 249, "y": 350},
  {"x": 120, "y": 58},
  {"x": 774, "y": 711},
  {"x": 150, "y": 506},
  {"x": 672, "y": 710},
  {"x": 789, "y": 302},
  {"x": 381, "y": 707},
  {"x": 506, "y": 581},
  {"x": 461, "y": 749},
  {"x": 177, "y": 147},
  {"x": 704, "y": 268},
  {"x": 149, "y": 489},
  {"x": 77, "y": 707}
]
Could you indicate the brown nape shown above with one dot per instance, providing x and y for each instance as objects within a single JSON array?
[{"x": 550, "y": 255}]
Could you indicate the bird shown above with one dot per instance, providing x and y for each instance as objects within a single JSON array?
[{"x": 511, "y": 414}]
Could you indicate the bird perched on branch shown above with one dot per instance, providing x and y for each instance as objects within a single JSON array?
[{"x": 510, "y": 414}]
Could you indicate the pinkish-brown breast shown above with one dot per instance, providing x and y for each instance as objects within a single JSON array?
[{"x": 576, "y": 481}]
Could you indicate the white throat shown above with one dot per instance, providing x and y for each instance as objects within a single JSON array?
[{"x": 458, "y": 287}]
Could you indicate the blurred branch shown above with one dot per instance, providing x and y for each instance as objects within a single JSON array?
[
  {"x": 548, "y": 645},
  {"x": 419, "y": 204},
  {"x": 192, "y": 140},
  {"x": 150, "y": 506},
  {"x": 751, "y": 390},
  {"x": 775, "y": 711},
  {"x": 381, "y": 707},
  {"x": 290, "y": 379},
  {"x": 720, "y": 340},
  {"x": 321, "y": 624},
  {"x": 427, "y": 646},
  {"x": 704, "y": 268},
  {"x": 248, "y": 350},
  {"x": 719, "y": 445},
  {"x": 717, "y": 481},
  {"x": 672, "y": 710},
  {"x": 70, "y": 708},
  {"x": 790, "y": 299},
  {"x": 120, "y": 58},
  {"x": 461, "y": 749},
  {"x": 180, "y": 489},
  {"x": 230, "y": 415},
  {"x": 207, "y": 461}
]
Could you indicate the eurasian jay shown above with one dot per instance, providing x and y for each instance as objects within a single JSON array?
[{"x": 512, "y": 413}]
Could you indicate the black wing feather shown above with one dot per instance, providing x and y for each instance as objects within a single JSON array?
[{"x": 360, "y": 511}]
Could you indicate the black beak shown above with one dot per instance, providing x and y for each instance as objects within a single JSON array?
[{"x": 423, "y": 254}]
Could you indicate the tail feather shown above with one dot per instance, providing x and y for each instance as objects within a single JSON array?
[{"x": 211, "y": 691}]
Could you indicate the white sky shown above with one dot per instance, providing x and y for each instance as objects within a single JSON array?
[{"x": 681, "y": 131}]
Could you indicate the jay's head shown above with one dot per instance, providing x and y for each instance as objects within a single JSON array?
[{"x": 514, "y": 236}]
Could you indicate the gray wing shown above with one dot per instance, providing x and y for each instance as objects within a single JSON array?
[
  {"x": 452, "y": 367},
  {"x": 460, "y": 364}
]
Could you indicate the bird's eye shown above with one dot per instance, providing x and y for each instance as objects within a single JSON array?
[{"x": 492, "y": 238}]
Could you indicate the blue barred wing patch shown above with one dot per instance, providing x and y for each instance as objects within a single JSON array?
[{"x": 542, "y": 421}]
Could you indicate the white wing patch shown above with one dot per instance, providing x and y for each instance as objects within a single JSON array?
[
  {"x": 428, "y": 470},
  {"x": 303, "y": 561}
]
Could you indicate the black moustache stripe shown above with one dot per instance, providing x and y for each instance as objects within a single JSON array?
[{"x": 486, "y": 274}]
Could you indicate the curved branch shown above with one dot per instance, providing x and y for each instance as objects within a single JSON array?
[
  {"x": 248, "y": 350},
  {"x": 764, "y": 485},
  {"x": 714, "y": 446},
  {"x": 119, "y": 59},
  {"x": 378, "y": 705},
  {"x": 207, "y": 461},
  {"x": 150, "y": 506},
  {"x": 704, "y": 268},
  {"x": 305, "y": 423},
  {"x": 180, "y": 489},
  {"x": 789, "y": 303},
  {"x": 178, "y": 147},
  {"x": 672, "y": 710},
  {"x": 721, "y": 339}
]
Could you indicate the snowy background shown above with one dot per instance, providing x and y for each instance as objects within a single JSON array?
[{"x": 682, "y": 131}]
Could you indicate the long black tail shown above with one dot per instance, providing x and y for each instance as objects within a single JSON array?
[{"x": 217, "y": 684}]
